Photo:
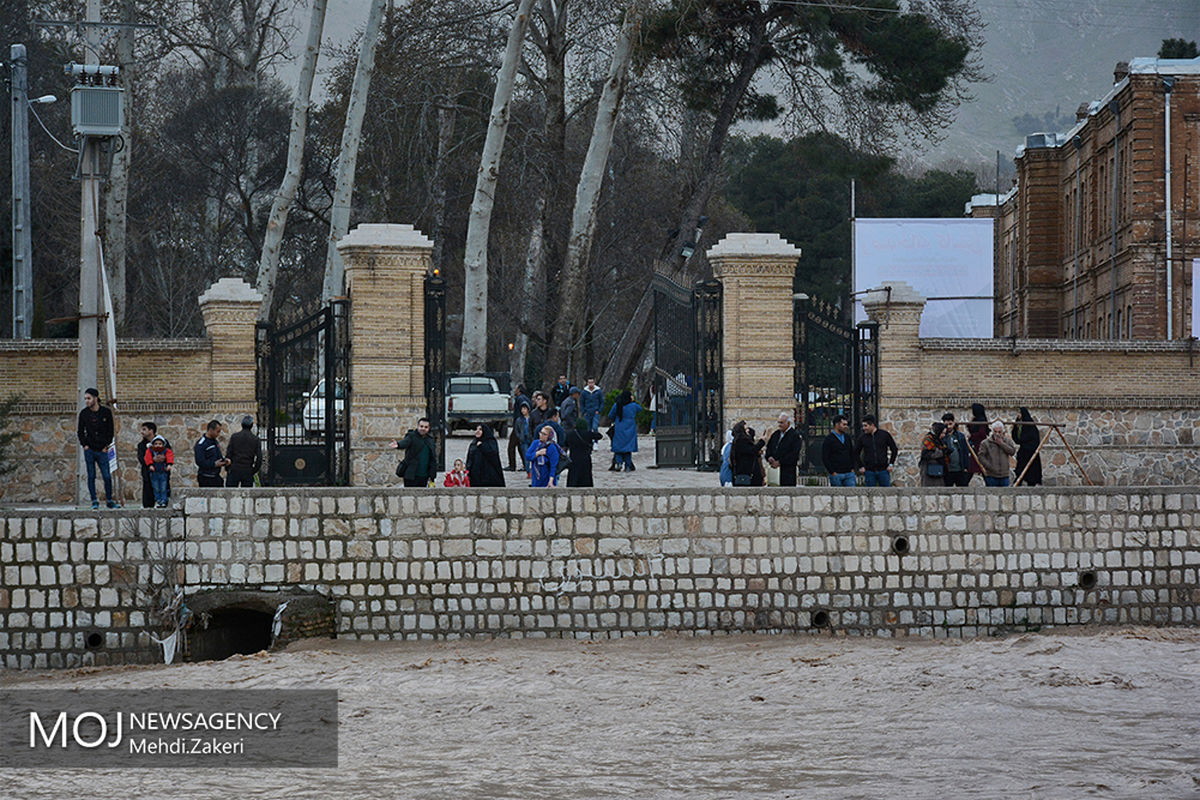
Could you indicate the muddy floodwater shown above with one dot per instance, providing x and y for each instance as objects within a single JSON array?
[{"x": 1100, "y": 713}]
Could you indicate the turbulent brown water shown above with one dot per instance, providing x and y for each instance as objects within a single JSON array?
[{"x": 1106, "y": 713}]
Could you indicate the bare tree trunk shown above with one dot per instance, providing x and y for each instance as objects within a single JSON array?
[
  {"x": 532, "y": 322},
  {"x": 339, "y": 214},
  {"x": 573, "y": 278},
  {"x": 534, "y": 296},
  {"x": 268, "y": 265},
  {"x": 474, "y": 338},
  {"x": 116, "y": 218},
  {"x": 673, "y": 262}
]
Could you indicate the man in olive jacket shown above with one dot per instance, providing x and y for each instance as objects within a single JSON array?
[{"x": 419, "y": 466}]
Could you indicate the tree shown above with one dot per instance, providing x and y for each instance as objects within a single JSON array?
[
  {"x": 268, "y": 265},
  {"x": 872, "y": 72},
  {"x": 573, "y": 277},
  {"x": 800, "y": 188},
  {"x": 356, "y": 109},
  {"x": 473, "y": 357},
  {"x": 1178, "y": 48}
]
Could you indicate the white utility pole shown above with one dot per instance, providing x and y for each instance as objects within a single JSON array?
[
  {"x": 89, "y": 252},
  {"x": 21, "y": 235}
]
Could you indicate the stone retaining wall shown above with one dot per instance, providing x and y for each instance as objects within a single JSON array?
[{"x": 434, "y": 564}]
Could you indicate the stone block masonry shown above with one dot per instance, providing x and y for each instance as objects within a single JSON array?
[{"x": 431, "y": 564}]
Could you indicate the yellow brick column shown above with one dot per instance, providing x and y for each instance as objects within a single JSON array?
[
  {"x": 756, "y": 271},
  {"x": 230, "y": 310},
  {"x": 386, "y": 266},
  {"x": 897, "y": 307}
]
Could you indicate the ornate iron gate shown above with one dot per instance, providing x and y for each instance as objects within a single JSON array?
[
  {"x": 836, "y": 373},
  {"x": 435, "y": 363},
  {"x": 304, "y": 399},
  {"x": 706, "y": 325},
  {"x": 687, "y": 374}
]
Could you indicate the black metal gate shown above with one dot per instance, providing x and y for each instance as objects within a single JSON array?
[
  {"x": 836, "y": 373},
  {"x": 687, "y": 374},
  {"x": 304, "y": 399},
  {"x": 706, "y": 325},
  {"x": 435, "y": 363}
]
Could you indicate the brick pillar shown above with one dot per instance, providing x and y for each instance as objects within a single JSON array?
[
  {"x": 756, "y": 271},
  {"x": 230, "y": 310},
  {"x": 898, "y": 313},
  {"x": 386, "y": 266}
]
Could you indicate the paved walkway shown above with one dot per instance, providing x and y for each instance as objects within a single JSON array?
[{"x": 646, "y": 476}]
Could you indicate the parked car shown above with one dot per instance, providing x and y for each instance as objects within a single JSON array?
[
  {"x": 313, "y": 417},
  {"x": 475, "y": 399}
]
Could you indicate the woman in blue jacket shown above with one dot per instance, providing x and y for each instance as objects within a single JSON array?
[
  {"x": 624, "y": 442},
  {"x": 543, "y": 456}
]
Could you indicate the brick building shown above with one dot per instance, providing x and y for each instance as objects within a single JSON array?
[{"x": 1085, "y": 234}]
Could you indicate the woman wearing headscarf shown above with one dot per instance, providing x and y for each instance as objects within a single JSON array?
[
  {"x": 977, "y": 431},
  {"x": 1025, "y": 435},
  {"x": 543, "y": 456},
  {"x": 579, "y": 447},
  {"x": 483, "y": 459},
  {"x": 744, "y": 458},
  {"x": 934, "y": 450},
  {"x": 624, "y": 441}
]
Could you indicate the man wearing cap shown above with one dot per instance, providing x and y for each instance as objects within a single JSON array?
[
  {"x": 245, "y": 455},
  {"x": 568, "y": 412}
]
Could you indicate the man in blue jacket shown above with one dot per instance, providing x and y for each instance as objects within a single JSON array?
[{"x": 591, "y": 399}]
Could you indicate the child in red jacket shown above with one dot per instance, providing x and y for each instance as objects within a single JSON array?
[
  {"x": 457, "y": 476},
  {"x": 159, "y": 460}
]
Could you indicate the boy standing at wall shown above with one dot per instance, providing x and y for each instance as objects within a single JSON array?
[{"x": 159, "y": 460}]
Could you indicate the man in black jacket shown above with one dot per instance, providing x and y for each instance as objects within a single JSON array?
[
  {"x": 876, "y": 451},
  {"x": 96, "y": 432},
  {"x": 245, "y": 455},
  {"x": 783, "y": 450},
  {"x": 419, "y": 466},
  {"x": 837, "y": 453},
  {"x": 208, "y": 457}
]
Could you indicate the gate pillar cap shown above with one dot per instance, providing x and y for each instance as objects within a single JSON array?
[
  {"x": 901, "y": 292},
  {"x": 384, "y": 234},
  {"x": 754, "y": 245},
  {"x": 230, "y": 290}
]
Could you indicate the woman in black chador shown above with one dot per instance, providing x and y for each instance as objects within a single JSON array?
[
  {"x": 579, "y": 446},
  {"x": 1025, "y": 435},
  {"x": 483, "y": 459}
]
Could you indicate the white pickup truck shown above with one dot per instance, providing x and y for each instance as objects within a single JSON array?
[{"x": 475, "y": 399}]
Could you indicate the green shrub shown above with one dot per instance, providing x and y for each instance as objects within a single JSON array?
[{"x": 7, "y": 407}]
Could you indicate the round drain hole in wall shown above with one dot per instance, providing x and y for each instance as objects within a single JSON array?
[
  {"x": 1087, "y": 580},
  {"x": 900, "y": 545},
  {"x": 93, "y": 640},
  {"x": 820, "y": 619}
]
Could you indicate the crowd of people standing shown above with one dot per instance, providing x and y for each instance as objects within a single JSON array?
[
  {"x": 552, "y": 433},
  {"x": 948, "y": 456},
  {"x": 156, "y": 459}
]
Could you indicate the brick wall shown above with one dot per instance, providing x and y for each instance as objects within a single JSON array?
[
  {"x": 524, "y": 563},
  {"x": 1131, "y": 409},
  {"x": 1082, "y": 248},
  {"x": 179, "y": 384}
]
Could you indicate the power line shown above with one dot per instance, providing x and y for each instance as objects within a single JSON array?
[{"x": 48, "y": 133}]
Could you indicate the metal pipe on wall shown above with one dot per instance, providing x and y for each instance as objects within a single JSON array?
[{"x": 1168, "y": 84}]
